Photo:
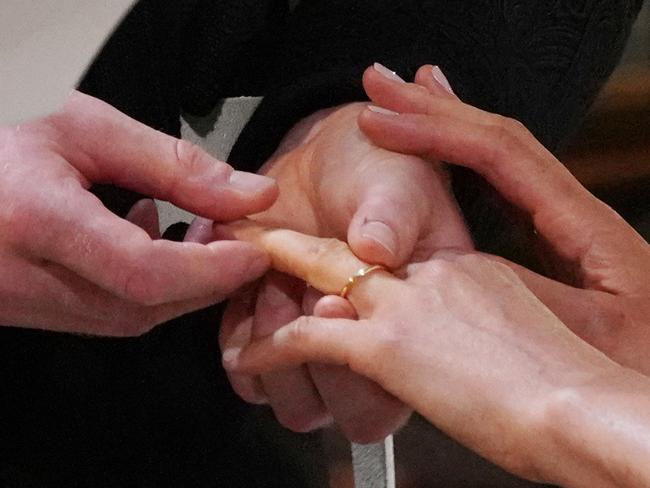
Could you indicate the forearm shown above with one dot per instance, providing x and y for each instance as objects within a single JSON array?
[{"x": 601, "y": 433}]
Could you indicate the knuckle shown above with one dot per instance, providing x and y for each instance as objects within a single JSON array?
[
  {"x": 189, "y": 158},
  {"x": 139, "y": 287},
  {"x": 504, "y": 134},
  {"x": 472, "y": 261},
  {"x": 329, "y": 247},
  {"x": 444, "y": 269},
  {"x": 299, "y": 332}
]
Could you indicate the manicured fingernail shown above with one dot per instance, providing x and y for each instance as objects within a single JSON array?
[
  {"x": 244, "y": 181},
  {"x": 383, "y": 70},
  {"x": 230, "y": 356},
  {"x": 442, "y": 80},
  {"x": 381, "y": 110},
  {"x": 381, "y": 234}
]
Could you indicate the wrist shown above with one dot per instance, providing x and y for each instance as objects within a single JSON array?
[{"x": 592, "y": 433}]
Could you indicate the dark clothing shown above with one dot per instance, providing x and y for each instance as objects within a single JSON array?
[{"x": 157, "y": 410}]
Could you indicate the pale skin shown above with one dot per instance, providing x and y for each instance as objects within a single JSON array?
[
  {"x": 69, "y": 264},
  {"x": 478, "y": 353},
  {"x": 391, "y": 208}
]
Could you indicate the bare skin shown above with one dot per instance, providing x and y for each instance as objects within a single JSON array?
[
  {"x": 68, "y": 264},
  {"x": 462, "y": 339},
  {"x": 391, "y": 208},
  {"x": 601, "y": 290}
]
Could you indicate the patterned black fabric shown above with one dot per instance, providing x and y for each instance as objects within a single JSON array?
[{"x": 157, "y": 410}]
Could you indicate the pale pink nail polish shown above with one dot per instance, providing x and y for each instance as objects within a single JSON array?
[
  {"x": 439, "y": 76},
  {"x": 381, "y": 110},
  {"x": 384, "y": 71}
]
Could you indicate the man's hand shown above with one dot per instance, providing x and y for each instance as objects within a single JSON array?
[
  {"x": 69, "y": 264},
  {"x": 392, "y": 209},
  {"x": 602, "y": 289}
]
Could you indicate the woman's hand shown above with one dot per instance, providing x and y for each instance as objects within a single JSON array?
[
  {"x": 600, "y": 287},
  {"x": 69, "y": 264},
  {"x": 391, "y": 209},
  {"x": 461, "y": 340}
]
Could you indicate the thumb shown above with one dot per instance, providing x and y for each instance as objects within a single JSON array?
[
  {"x": 383, "y": 231},
  {"x": 391, "y": 210},
  {"x": 107, "y": 146}
]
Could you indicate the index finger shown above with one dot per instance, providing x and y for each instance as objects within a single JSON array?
[
  {"x": 107, "y": 146},
  {"x": 78, "y": 232}
]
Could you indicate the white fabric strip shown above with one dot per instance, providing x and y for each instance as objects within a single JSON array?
[
  {"x": 374, "y": 464},
  {"x": 217, "y": 134}
]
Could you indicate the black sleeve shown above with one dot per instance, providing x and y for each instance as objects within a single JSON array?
[{"x": 540, "y": 62}]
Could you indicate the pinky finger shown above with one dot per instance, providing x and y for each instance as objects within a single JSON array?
[{"x": 306, "y": 339}]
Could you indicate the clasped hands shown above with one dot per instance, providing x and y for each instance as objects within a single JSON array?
[
  {"x": 71, "y": 265},
  {"x": 499, "y": 357},
  {"x": 391, "y": 208}
]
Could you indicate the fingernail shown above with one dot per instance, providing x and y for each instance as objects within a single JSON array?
[
  {"x": 230, "y": 356},
  {"x": 442, "y": 80},
  {"x": 200, "y": 230},
  {"x": 244, "y": 181},
  {"x": 381, "y": 234},
  {"x": 381, "y": 110},
  {"x": 383, "y": 70}
]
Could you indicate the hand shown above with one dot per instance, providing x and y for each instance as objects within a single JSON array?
[
  {"x": 605, "y": 298},
  {"x": 461, "y": 340},
  {"x": 392, "y": 209},
  {"x": 69, "y": 264},
  {"x": 428, "y": 339}
]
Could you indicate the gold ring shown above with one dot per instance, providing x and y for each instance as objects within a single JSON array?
[{"x": 352, "y": 280}]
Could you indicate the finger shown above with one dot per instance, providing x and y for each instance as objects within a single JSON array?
[
  {"x": 406, "y": 216},
  {"x": 388, "y": 93},
  {"x": 200, "y": 230},
  {"x": 291, "y": 393},
  {"x": 326, "y": 264},
  {"x": 433, "y": 79},
  {"x": 310, "y": 298},
  {"x": 144, "y": 214},
  {"x": 49, "y": 296},
  {"x": 509, "y": 158},
  {"x": 392, "y": 213},
  {"x": 332, "y": 306},
  {"x": 362, "y": 409},
  {"x": 235, "y": 333},
  {"x": 109, "y": 147},
  {"x": 82, "y": 235},
  {"x": 307, "y": 339},
  {"x": 384, "y": 229}
]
